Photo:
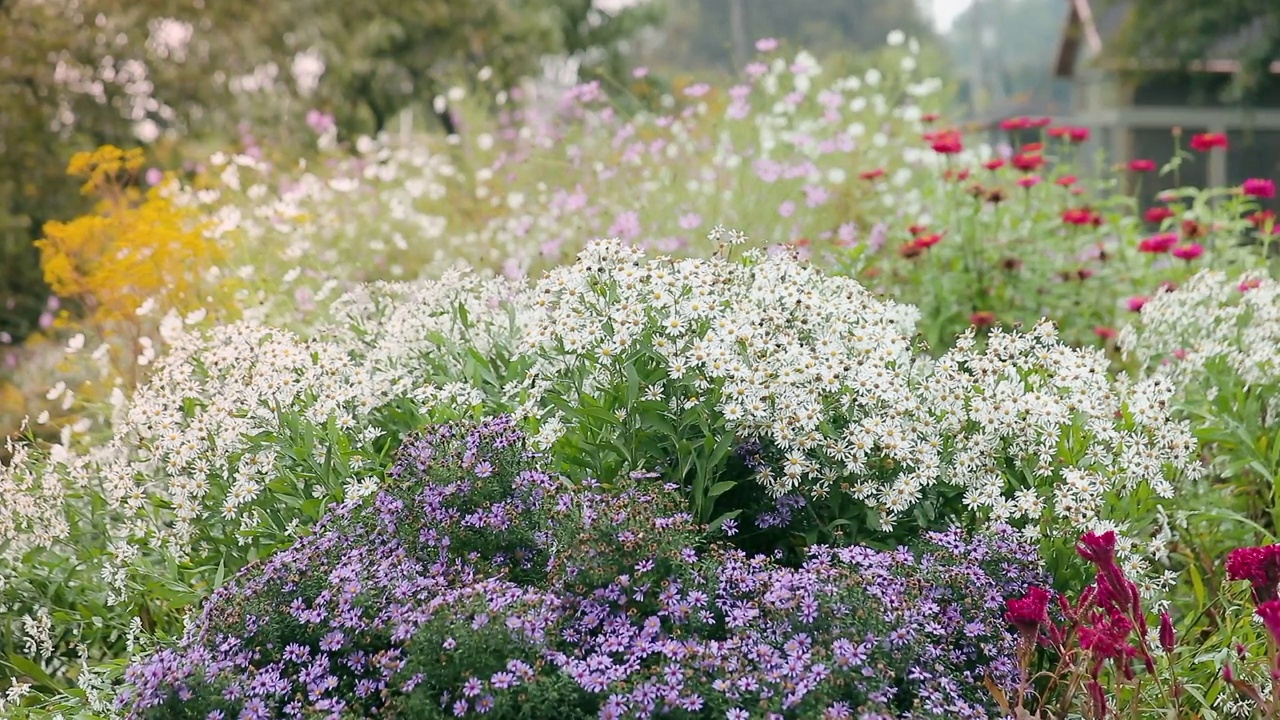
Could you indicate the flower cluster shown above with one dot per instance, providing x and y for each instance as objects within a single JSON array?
[
  {"x": 1033, "y": 402},
  {"x": 1210, "y": 319},
  {"x": 477, "y": 585}
]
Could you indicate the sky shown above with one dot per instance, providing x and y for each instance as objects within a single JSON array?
[{"x": 945, "y": 11}]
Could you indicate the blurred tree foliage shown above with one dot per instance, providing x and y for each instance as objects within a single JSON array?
[
  {"x": 701, "y": 33},
  {"x": 1173, "y": 35},
  {"x": 77, "y": 74}
]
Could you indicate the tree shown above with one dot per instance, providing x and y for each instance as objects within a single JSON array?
[
  {"x": 699, "y": 29},
  {"x": 1172, "y": 36}
]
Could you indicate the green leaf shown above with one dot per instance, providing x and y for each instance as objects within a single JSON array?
[
  {"x": 721, "y": 488},
  {"x": 26, "y": 667}
]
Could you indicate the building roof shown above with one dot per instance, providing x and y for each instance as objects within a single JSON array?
[{"x": 1092, "y": 25}]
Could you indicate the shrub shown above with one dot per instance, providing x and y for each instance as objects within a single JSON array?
[{"x": 478, "y": 584}]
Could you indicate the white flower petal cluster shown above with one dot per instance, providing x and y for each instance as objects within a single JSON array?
[
  {"x": 1026, "y": 428},
  {"x": 1210, "y": 318},
  {"x": 1036, "y": 429},
  {"x": 192, "y": 453}
]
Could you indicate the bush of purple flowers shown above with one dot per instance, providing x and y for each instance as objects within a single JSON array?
[{"x": 476, "y": 585}]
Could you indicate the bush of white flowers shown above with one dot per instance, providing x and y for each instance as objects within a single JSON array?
[
  {"x": 1214, "y": 338},
  {"x": 728, "y": 375},
  {"x": 636, "y": 362}
]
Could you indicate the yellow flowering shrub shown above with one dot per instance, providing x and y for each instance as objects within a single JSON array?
[{"x": 132, "y": 247}]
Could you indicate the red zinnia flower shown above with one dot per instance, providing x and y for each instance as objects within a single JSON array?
[
  {"x": 1104, "y": 332},
  {"x": 1142, "y": 165},
  {"x": 1158, "y": 214},
  {"x": 916, "y": 229},
  {"x": 1058, "y": 132},
  {"x": 928, "y": 241},
  {"x": 1261, "y": 218},
  {"x": 871, "y": 174},
  {"x": 995, "y": 164},
  {"x": 1259, "y": 188},
  {"x": 946, "y": 142},
  {"x": 1204, "y": 142},
  {"x": 1079, "y": 216},
  {"x": 1039, "y": 122},
  {"x": 1033, "y": 147},
  {"x": 1066, "y": 180},
  {"x": 1028, "y": 181},
  {"x": 983, "y": 318},
  {"x": 1078, "y": 134},
  {"x": 1018, "y": 123},
  {"x": 930, "y": 117},
  {"x": 1027, "y": 162}
]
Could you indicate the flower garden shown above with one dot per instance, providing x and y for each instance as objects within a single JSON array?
[{"x": 781, "y": 399}]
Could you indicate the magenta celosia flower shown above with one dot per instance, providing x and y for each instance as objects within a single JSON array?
[
  {"x": 1269, "y": 612},
  {"x": 1259, "y": 187},
  {"x": 1260, "y": 566},
  {"x": 1029, "y": 612},
  {"x": 1167, "y": 640}
]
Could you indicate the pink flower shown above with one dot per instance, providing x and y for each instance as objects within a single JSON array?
[
  {"x": 1260, "y": 566},
  {"x": 1167, "y": 640},
  {"x": 1135, "y": 303},
  {"x": 1158, "y": 244},
  {"x": 815, "y": 195},
  {"x": 689, "y": 221},
  {"x": 766, "y": 45},
  {"x": 1270, "y": 613},
  {"x": 640, "y": 72},
  {"x": 787, "y": 209},
  {"x": 1028, "y": 181},
  {"x": 1141, "y": 165},
  {"x": 1259, "y": 188},
  {"x": 1204, "y": 142},
  {"x": 1189, "y": 251},
  {"x": 697, "y": 90},
  {"x": 1029, "y": 612}
]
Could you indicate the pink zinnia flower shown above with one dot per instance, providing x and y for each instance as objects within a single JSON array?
[
  {"x": 1259, "y": 188},
  {"x": 1189, "y": 251},
  {"x": 1028, "y": 181},
  {"x": 1158, "y": 244},
  {"x": 1141, "y": 165},
  {"x": 1135, "y": 303},
  {"x": 1204, "y": 142}
]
